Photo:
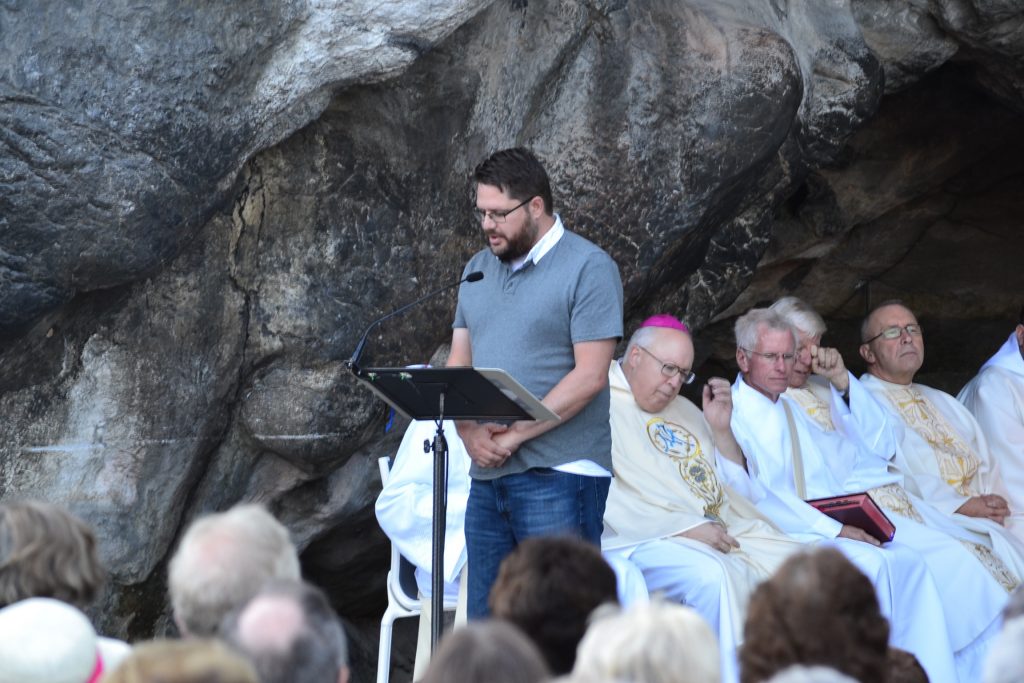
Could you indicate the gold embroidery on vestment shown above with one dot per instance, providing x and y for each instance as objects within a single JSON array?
[
  {"x": 894, "y": 498},
  {"x": 817, "y": 409},
  {"x": 957, "y": 463},
  {"x": 683, "y": 447}
]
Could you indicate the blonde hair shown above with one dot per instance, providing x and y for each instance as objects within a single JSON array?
[
  {"x": 658, "y": 642},
  {"x": 192, "y": 660},
  {"x": 223, "y": 560}
]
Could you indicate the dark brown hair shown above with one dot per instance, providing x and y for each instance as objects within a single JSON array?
[
  {"x": 817, "y": 609},
  {"x": 904, "y": 668},
  {"x": 548, "y": 587},
  {"x": 517, "y": 173}
]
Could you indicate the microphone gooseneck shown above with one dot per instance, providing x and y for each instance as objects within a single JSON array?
[{"x": 353, "y": 362}]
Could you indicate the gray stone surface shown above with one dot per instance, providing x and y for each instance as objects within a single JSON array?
[{"x": 203, "y": 206}]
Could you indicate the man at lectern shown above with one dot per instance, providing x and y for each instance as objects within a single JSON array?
[{"x": 549, "y": 312}]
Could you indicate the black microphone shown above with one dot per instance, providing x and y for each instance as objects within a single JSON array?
[{"x": 353, "y": 362}]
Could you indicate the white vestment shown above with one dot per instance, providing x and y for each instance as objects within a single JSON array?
[
  {"x": 665, "y": 483},
  {"x": 996, "y": 399},
  {"x": 954, "y": 554},
  {"x": 943, "y": 454},
  {"x": 923, "y": 620}
]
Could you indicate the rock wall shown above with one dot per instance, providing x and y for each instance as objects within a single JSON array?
[{"x": 202, "y": 208}]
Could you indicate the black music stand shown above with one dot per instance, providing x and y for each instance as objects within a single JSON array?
[{"x": 456, "y": 394}]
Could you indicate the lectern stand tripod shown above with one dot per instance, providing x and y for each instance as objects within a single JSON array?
[{"x": 454, "y": 394}]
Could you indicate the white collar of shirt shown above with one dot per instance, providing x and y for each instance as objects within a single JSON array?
[{"x": 543, "y": 245}]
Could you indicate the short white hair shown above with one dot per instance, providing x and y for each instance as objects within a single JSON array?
[
  {"x": 223, "y": 560},
  {"x": 656, "y": 642},
  {"x": 749, "y": 325},
  {"x": 800, "y": 315},
  {"x": 644, "y": 336}
]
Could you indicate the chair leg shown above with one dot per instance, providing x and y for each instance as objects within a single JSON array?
[{"x": 387, "y": 623}]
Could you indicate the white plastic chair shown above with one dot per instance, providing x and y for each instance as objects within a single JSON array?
[{"x": 403, "y": 594}]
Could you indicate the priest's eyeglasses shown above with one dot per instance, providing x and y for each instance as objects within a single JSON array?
[
  {"x": 773, "y": 356},
  {"x": 671, "y": 369},
  {"x": 895, "y": 332},
  {"x": 498, "y": 216}
]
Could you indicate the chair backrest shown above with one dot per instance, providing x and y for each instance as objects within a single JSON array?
[{"x": 403, "y": 572}]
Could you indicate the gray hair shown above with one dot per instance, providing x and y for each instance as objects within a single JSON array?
[
  {"x": 223, "y": 560},
  {"x": 749, "y": 325},
  {"x": 643, "y": 336},
  {"x": 314, "y": 653},
  {"x": 487, "y": 651},
  {"x": 657, "y": 642},
  {"x": 800, "y": 315}
]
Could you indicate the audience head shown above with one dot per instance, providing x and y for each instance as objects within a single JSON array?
[
  {"x": 47, "y": 552},
  {"x": 809, "y": 674},
  {"x": 809, "y": 326},
  {"x": 222, "y": 561},
  {"x": 47, "y": 641},
  {"x": 903, "y": 667},
  {"x": 892, "y": 343},
  {"x": 765, "y": 350},
  {"x": 517, "y": 173},
  {"x": 548, "y": 587},
  {"x": 657, "y": 363},
  {"x": 290, "y": 634},
  {"x": 194, "y": 660},
  {"x": 657, "y": 642},
  {"x": 812, "y": 594},
  {"x": 489, "y": 651}
]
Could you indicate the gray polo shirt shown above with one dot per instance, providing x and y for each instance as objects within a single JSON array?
[{"x": 526, "y": 322}]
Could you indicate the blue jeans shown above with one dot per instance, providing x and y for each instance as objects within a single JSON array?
[{"x": 539, "y": 502}]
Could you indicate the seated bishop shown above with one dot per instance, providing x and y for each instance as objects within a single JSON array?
[
  {"x": 695, "y": 540},
  {"x": 996, "y": 399}
]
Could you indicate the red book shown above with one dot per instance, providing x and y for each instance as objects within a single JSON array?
[{"x": 859, "y": 510}]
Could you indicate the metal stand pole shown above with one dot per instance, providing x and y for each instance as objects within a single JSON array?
[{"x": 440, "y": 448}]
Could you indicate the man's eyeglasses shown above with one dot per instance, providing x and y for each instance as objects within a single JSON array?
[
  {"x": 773, "y": 356},
  {"x": 498, "y": 216},
  {"x": 895, "y": 332},
  {"x": 671, "y": 369}
]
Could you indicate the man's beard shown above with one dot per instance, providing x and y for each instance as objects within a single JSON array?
[{"x": 520, "y": 245}]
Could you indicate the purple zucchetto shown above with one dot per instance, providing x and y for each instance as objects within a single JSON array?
[{"x": 666, "y": 320}]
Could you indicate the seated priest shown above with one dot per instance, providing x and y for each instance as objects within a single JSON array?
[
  {"x": 941, "y": 449},
  {"x": 790, "y": 456},
  {"x": 996, "y": 399},
  {"x": 841, "y": 415}
]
